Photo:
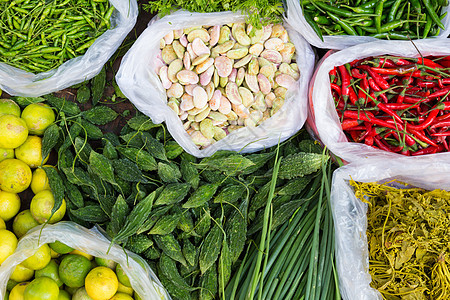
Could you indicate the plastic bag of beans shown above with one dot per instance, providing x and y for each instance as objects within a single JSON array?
[
  {"x": 143, "y": 280},
  {"x": 218, "y": 83},
  {"x": 34, "y": 83}
]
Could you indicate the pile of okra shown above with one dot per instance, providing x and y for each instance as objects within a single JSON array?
[
  {"x": 40, "y": 35},
  {"x": 385, "y": 19}
]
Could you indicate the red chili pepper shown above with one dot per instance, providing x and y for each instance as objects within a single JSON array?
[
  {"x": 349, "y": 123},
  {"x": 380, "y": 81},
  {"x": 345, "y": 87},
  {"x": 384, "y": 62},
  {"x": 445, "y": 123},
  {"x": 401, "y": 106},
  {"x": 426, "y": 84},
  {"x": 439, "y": 93},
  {"x": 445, "y": 133},
  {"x": 427, "y": 150},
  {"x": 363, "y": 91},
  {"x": 433, "y": 114},
  {"x": 401, "y": 61},
  {"x": 429, "y": 63},
  {"x": 389, "y": 111},
  {"x": 394, "y": 71},
  {"x": 409, "y": 141},
  {"x": 333, "y": 74},
  {"x": 442, "y": 118},
  {"x": 445, "y": 80},
  {"x": 421, "y": 136},
  {"x": 415, "y": 100},
  {"x": 376, "y": 88},
  {"x": 357, "y": 73},
  {"x": 443, "y": 105},
  {"x": 381, "y": 145},
  {"x": 337, "y": 88}
]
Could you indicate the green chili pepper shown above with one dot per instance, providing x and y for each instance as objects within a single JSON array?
[
  {"x": 346, "y": 27},
  {"x": 432, "y": 13},
  {"x": 379, "y": 14},
  {"x": 313, "y": 24},
  {"x": 393, "y": 11}
]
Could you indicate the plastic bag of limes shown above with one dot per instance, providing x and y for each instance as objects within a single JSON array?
[{"x": 67, "y": 261}]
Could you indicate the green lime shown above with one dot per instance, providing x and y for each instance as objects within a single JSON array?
[
  {"x": 42, "y": 288},
  {"x": 109, "y": 263},
  {"x": 73, "y": 270},
  {"x": 23, "y": 222},
  {"x": 51, "y": 271},
  {"x": 63, "y": 295},
  {"x": 81, "y": 294},
  {"x": 60, "y": 248},
  {"x": 123, "y": 278},
  {"x": 70, "y": 290}
]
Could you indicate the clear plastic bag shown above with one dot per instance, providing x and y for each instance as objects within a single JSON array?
[
  {"x": 142, "y": 279},
  {"x": 350, "y": 213},
  {"x": 327, "y": 127},
  {"x": 298, "y": 22},
  {"x": 140, "y": 83},
  {"x": 17, "y": 82}
]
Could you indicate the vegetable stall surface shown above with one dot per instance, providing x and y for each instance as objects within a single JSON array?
[
  {"x": 386, "y": 19},
  {"x": 189, "y": 218},
  {"x": 407, "y": 232},
  {"x": 221, "y": 78},
  {"x": 39, "y": 36},
  {"x": 396, "y": 104}
]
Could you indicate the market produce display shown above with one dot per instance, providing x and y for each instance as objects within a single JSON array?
[
  {"x": 396, "y": 104},
  {"x": 57, "y": 271},
  {"x": 221, "y": 78},
  {"x": 386, "y": 19},
  {"x": 39, "y": 36},
  {"x": 408, "y": 240}
]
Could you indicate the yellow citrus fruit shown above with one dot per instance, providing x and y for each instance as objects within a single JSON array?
[
  {"x": 9, "y": 107},
  {"x": 54, "y": 254},
  {"x": 39, "y": 181},
  {"x": 60, "y": 248},
  {"x": 6, "y": 153},
  {"x": 8, "y": 244},
  {"x": 39, "y": 259},
  {"x": 81, "y": 294},
  {"x": 105, "y": 262},
  {"x": 51, "y": 271},
  {"x": 38, "y": 116},
  {"x": 2, "y": 224},
  {"x": 101, "y": 283},
  {"x": 125, "y": 289},
  {"x": 123, "y": 278},
  {"x": 78, "y": 252},
  {"x": 63, "y": 295},
  {"x": 21, "y": 273},
  {"x": 23, "y": 222},
  {"x": 30, "y": 152},
  {"x": 121, "y": 296},
  {"x": 41, "y": 208},
  {"x": 13, "y": 131},
  {"x": 9, "y": 205},
  {"x": 15, "y": 175},
  {"x": 73, "y": 270},
  {"x": 42, "y": 288},
  {"x": 18, "y": 291}
]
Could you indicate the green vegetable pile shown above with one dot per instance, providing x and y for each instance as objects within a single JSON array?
[
  {"x": 190, "y": 218},
  {"x": 385, "y": 19},
  {"x": 38, "y": 35},
  {"x": 260, "y": 12}
]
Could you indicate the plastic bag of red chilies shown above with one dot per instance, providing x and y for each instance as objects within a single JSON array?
[{"x": 383, "y": 99}]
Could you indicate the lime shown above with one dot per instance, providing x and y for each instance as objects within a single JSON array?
[
  {"x": 6, "y": 153},
  {"x": 8, "y": 244},
  {"x": 41, "y": 208},
  {"x": 30, "y": 152},
  {"x": 125, "y": 289},
  {"x": 39, "y": 259},
  {"x": 105, "y": 262},
  {"x": 13, "y": 131},
  {"x": 38, "y": 116},
  {"x": 63, "y": 295},
  {"x": 81, "y": 294},
  {"x": 60, "y": 248},
  {"x": 23, "y": 222},
  {"x": 121, "y": 296},
  {"x": 101, "y": 283},
  {"x": 70, "y": 290},
  {"x": 42, "y": 288},
  {"x": 73, "y": 270},
  {"x": 15, "y": 175},
  {"x": 78, "y": 252},
  {"x": 18, "y": 291},
  {"x": 9, "y": 205},
  {"x": 9, "y": 107},
  {"x": 51, "y": 271},
  {"x": 21, "y": 273},
  {"x": 123, "y": 278},
  {"x": 39, "y": 180}
]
